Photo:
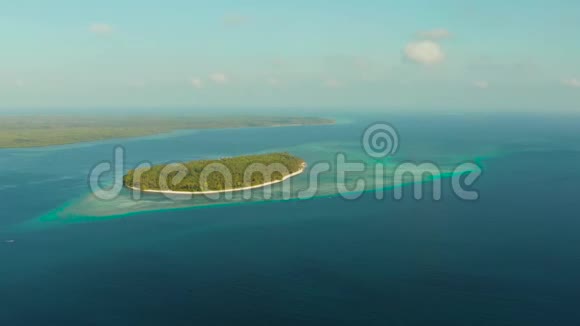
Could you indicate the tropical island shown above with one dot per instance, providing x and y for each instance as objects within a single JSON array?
[
  {"x": 216, "y": 176},
  {"x": 20, "y": 131}
]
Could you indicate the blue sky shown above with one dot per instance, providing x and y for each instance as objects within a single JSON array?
[{"x": 385, "y": 55}]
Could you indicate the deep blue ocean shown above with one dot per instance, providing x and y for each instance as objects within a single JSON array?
[{"x": 510, "y": 258}]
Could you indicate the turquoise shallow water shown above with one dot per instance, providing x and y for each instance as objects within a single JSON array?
[
  {"x": 509, "y": 258},
  {"x": 317, "y": 145}
]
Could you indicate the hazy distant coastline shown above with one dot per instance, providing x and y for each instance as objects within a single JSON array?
[{"x": 41, "y": 131}]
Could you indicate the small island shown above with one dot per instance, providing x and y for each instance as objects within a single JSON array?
[{"x": 216, "y": 176}]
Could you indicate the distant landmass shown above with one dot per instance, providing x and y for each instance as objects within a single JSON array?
[
  {"x": 39, "y": 131},
  {"x": 214, "y": 176}
]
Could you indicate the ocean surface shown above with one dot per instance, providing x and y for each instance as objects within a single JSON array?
[{"x": 511, "y": 257}]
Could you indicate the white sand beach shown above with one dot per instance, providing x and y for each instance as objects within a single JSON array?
[{"x": 170, "y": 192}]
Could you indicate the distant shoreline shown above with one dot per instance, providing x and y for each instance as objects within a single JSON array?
[
  {"x": 18, "y": 132},
  {"x": 212, "y": 192}
]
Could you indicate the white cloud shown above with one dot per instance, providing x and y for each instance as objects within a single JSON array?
[
  {"x": 425, "y": 52},
  {"x": 435, "y": 34},
  {"x": 101, "y": 29},
  {"x": 481, "y": 84},
  {"x": 196, "y": 82},
  {"x": 219, "y": 78},
  {"x": 571, "y": 82},
  {"x": 332, "y": 83}
]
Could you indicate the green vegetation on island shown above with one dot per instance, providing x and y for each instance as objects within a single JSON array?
[
  {"x": 38, "y": 131},
  {"x": 216, "y": 175}
]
